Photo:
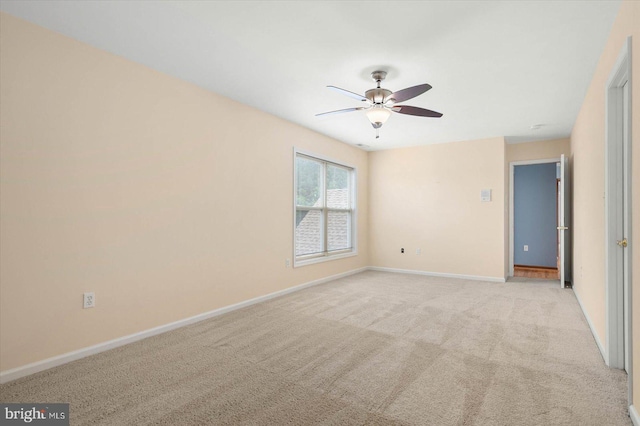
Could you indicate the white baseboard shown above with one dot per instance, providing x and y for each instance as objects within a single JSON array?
[
  {"x": 635, "y": 419},
  {"x": 16, "y": 373},
  {"x": 438, "y": 274},
  {"x": 593, "y": 330}
]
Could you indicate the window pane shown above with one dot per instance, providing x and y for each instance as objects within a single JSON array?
[
  {"x": 309, "y": 181},
  {"x": 339, "y": 230},
  {"x": 308, "y": 232},
  {"x": 337, "y": 187}
]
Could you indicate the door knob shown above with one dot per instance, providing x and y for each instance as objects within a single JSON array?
[
  {"x": 622, "y": 243},
  {"x": 562, "y": 228}
]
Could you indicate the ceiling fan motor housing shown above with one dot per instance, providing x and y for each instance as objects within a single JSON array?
[{"x": 378, "y": 95}]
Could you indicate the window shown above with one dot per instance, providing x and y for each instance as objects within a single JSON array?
[{"x": 324, "y": 209}]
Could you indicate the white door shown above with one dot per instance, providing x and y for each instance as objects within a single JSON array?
[
  {"x": 619, "y": 218},
  {"x": 618, "y": 225},
  {"x": 626, "y": 266},
  {"x": 565, "y": 218}
]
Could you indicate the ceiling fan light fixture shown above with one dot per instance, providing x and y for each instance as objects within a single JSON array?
[{"x": 378, "y": 115}]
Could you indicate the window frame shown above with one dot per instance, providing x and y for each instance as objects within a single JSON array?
[{"x": 325, "y": 255}]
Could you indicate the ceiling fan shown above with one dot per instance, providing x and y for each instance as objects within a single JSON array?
[{"x": 381, "y": 102}]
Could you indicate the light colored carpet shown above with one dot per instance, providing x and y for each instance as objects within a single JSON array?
[{"x": 374, "y": 348}]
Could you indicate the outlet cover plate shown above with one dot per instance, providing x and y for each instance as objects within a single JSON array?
[{"x": 89, "y": 300}]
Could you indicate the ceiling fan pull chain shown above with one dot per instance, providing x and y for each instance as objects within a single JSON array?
[{"x": 378, "y": 133}]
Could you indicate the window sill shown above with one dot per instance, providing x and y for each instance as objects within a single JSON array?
[{"x": 314, "y": 260}]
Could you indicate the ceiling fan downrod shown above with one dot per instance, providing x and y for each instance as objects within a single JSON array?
[{"x": 378, "y": 76}]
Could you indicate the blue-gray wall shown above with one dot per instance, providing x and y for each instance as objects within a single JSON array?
[{"x": 534, "y": 215}]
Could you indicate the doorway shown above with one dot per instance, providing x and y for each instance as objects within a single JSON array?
[
  {"x": 535, "y": 208},
  {"x": 536, "y": 213}
]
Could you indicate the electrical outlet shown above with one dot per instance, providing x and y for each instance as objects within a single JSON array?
[
  {"x": 419, "y": 251},
  {"x": 287, "y": 263},
  {"x": 526, "y": 248},
  {"x": 402, "y": 250},
  {"x": 89, "y": 300}
]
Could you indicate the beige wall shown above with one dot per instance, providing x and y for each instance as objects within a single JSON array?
[
  {"x": 165, "y": 199},
  {"x": 541, "y": 150},
  {"x": 428, "y": 197},
  {"x": 587, "y": 148}
]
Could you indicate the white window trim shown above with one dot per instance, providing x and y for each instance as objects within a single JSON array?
[{"x": 338, "y": 254}]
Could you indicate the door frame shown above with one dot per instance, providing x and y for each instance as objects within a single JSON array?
[
  {"x": 618, "y": 308},
  {"x": 512, "y": 168}
]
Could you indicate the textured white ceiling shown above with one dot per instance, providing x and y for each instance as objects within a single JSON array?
[{"x": 496, "y": 67}]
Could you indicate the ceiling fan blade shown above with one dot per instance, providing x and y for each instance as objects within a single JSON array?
[
  {"x": 340, "y": 111},
  {"x": 409, "y": 92},
  {"x": 348, "y": 93},
  {"x": 411, "y": 110}
]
